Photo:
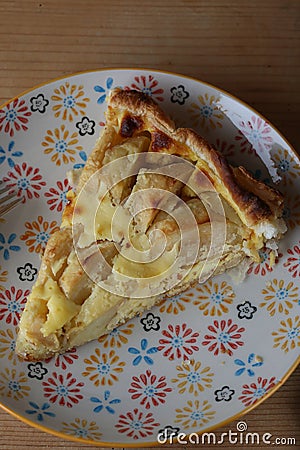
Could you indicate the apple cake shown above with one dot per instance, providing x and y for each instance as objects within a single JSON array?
[{"x": 155, "y": 210}]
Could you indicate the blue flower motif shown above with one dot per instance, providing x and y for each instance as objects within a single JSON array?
[
  {"x": 40, "y": 411},
  {"x": 103, "y": 91},
  {"x": 83, "y": 156},
  {"x": 7, "y": 246},
  {"x": 10, "y": 154},
  {"x": 105, "y": 403},
  {"x": 143, "y": 354},
  {"x": 252, "y": 361}
]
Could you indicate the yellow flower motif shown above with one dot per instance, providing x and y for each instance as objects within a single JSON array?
[
  {"x": 214, "y": 298},
  {"x": 117, "y": 337},
  {"x": 7, "y": 346},
  {"x": 206, "y": 113},
  {"x": 70, "y": 101},
  {"x": 278, "y": 297},
  {"x": 193, "y": 378},
  {"x": 13, "y": 384},
  {"x": 176, "y": 304},
  {"x": 102, "y": 368},
  {"x": 287, "y": 337},
  {"x": 287, "y": 167},
  {"x": 195, "y": 414},
  {"x": 61, "y": 145},
  {"x": 3, "y": 278},
  {"x": 83, "y": 429}
]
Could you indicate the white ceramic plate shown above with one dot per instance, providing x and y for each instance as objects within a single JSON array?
[{"x": 198, "y": 360}]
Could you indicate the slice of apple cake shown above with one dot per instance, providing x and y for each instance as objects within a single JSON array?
[{"x": 154, "y": 211}]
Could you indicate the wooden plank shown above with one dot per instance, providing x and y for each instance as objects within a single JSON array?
[{"x": 251, "y": 49}]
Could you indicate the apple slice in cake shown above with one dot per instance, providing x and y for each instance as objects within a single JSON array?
[{"x": 154, "y": 211}]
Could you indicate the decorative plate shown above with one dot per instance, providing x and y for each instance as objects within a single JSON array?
[{"x": 198, "y": 360}]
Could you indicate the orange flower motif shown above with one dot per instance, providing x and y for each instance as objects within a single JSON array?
[
  {"x": 194, "y": 414},
  {"x": 117, "y": 337},
  {"x": 7, "y": 346},
  {"x": 61, "y": 145},
  {"x": 287, "y": 337},
  {"x": 279, "y": 297},
  {"x": 83, "y": 429},
  {"x": 175, "y": 304},
  {"x": 38, "y": 233},
  {"x": 192, "y": 377},
  {"x": 214, "y": 298},
  {"x": 102, "y": 368},
  {"x": 70, "y": 101},
  {"x": 13, "y": 384},
  {"x": 288, "y": 169},
  {"x": 3, "y": 278},
  {"x": 206, "y": 113}
]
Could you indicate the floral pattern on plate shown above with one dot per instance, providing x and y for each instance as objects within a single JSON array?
[{"x": 195, "y": 360}]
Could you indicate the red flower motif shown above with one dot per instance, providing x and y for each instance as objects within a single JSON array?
[
  {"x": 57, "y": 197},
  {"x": 264, "y": 266},
  {"x": 63, "y": 389},
  {"x": 254, "y": 391},
  {"x": 12, "y": 303},
  {"x": 245, "y": 144},
  {"x": 152, "y": 389},
  {"x": 14, "y": 117},
  {"x": 67, "y": 358},
  {"x": 26, "y": 180},
  {"x": 254, "y": 136},
  {"x": 136, "y": 424},
  {"x": 179, "y": 342},
  {"x": 226, "y": 148},
  {"x": 293, "y": 262},
  {"x": 147, "y": 85},
  {"x": 225, "y": 338}
]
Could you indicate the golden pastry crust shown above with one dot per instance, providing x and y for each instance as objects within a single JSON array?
[
  {"x": 138, "y": 112},
  {"x": 67, "y": 306}
]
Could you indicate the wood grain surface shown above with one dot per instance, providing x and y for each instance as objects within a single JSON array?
[{"x": 249, "y": 48}]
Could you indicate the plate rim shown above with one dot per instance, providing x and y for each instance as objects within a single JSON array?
[
  {"x": 160, "y": 71},
  {"x": 225, "y": 422},
  {"x": 231, "y": 418}
]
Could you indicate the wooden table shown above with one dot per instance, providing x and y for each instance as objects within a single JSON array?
[{"x": 250, "y": 48}]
